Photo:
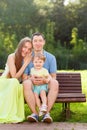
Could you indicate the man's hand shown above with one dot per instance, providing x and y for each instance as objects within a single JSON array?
[{"x": 37, "y": 80}]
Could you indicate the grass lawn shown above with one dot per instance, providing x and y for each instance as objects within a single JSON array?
[{"x": 79, "y": 110}]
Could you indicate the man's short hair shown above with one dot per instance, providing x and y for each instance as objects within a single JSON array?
[{"x": 37, "y": 34}]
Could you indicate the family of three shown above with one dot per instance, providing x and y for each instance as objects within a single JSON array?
[{"x": 30, "y": 74}]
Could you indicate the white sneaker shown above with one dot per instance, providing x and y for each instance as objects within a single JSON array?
[{"x": 43, "y": 110}]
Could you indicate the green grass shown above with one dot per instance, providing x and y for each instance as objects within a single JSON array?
[{"x": 79, "y": 110}]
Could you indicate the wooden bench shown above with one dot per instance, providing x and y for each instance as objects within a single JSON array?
[
  {"x": 0, "y": 73},
  {"x": 70, "y": 91}
]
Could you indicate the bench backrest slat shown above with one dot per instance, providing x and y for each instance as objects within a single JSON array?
[
  {"x": 0, "y": 73},
  {"x": 69, "y": 82}
]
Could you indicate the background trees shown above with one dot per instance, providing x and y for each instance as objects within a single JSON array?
[{"x": 65, "y": 28}]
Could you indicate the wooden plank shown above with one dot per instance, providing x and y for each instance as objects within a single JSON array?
[
  {"x": 71, "y": 95},
  {"x": 67, "y": 91},
  {"x": 70, "y": 87},
  {"x": 70, "y": 100}
]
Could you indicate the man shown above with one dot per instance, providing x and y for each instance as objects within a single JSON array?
[{"x": 38, "y": 42}]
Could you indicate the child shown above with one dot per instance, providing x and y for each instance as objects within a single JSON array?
[{"x": 41, "y": 90}]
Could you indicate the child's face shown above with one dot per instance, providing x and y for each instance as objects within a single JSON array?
[{"x": 38, "y": 63}]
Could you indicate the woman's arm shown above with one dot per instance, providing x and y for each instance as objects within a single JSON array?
[{"x": 12, "y": 67}]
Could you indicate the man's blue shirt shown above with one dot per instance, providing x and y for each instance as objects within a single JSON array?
[{"x": 50, "y": 64}]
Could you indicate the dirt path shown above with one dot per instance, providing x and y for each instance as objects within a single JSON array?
[{"x": 43, "y": 126}]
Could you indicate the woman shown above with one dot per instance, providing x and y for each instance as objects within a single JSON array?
[{"x": 11, "y": 91}]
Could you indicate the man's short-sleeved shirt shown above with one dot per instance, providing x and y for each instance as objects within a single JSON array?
[{"x": 50, "y": 64}]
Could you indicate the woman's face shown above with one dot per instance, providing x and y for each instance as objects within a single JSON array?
[{"x": 26, "y": 49}]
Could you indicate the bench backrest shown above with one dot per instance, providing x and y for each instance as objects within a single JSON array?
[
  {"x": 69, "y": 82},
  {"x": 0, "y": 73}
]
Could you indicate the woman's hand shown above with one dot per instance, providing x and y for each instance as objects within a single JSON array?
[{"x": 28, "y": 58}]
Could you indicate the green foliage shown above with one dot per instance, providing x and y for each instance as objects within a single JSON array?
[
  {"x": 20, "y": 18},
  {"x": 74, "y": 36},
  {"x": 61, "y": 54},
  {"x": 7, "y": 45},
  {"x": 49, "y": 35}
]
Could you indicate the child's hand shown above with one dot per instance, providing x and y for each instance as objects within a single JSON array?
[{"x": 28, "y": 58}]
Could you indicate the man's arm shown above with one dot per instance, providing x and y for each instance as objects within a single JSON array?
[
  {"x": 53, "y": 75},
  {"x": 26, "y": 73}
]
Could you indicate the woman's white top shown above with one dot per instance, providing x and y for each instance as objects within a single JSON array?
[{"x": 6, "y": 71}]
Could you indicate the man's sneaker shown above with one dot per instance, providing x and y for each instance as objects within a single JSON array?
[
  {"x": 47, "y": 118},
  {"x": 32, "y": 118}
]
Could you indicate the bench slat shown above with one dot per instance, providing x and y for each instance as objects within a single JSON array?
[
  {"x": 70, "y": 100},
  {"x": 71, "y": 95},
  {"x": 67, "y": 91}
]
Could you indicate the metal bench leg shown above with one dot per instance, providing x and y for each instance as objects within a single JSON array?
[{"x": 66, "y": 110}]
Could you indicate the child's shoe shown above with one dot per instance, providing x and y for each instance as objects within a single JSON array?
[{"x": 43, "y": 110}]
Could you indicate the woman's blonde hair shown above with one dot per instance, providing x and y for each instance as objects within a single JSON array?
[{"x": 18, "y": 56}]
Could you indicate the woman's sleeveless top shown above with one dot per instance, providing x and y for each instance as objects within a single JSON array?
[{"x": 6, "y": 71}]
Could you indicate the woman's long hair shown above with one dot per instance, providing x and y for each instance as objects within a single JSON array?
[{"x": 18, "y": 56}]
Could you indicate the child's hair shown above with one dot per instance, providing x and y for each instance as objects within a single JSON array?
[{"x": 40, "y": 56}]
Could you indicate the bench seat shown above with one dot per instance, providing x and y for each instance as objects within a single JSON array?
[{"x": 70, "y": 97}]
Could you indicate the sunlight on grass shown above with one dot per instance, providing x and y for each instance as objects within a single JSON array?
[{"x": 84, "y": 81}]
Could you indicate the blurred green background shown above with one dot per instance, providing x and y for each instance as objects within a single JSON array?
[{"x": 64, "y": 27}]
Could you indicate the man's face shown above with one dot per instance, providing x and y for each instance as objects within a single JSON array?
[{"x": 38, "y": 43}]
